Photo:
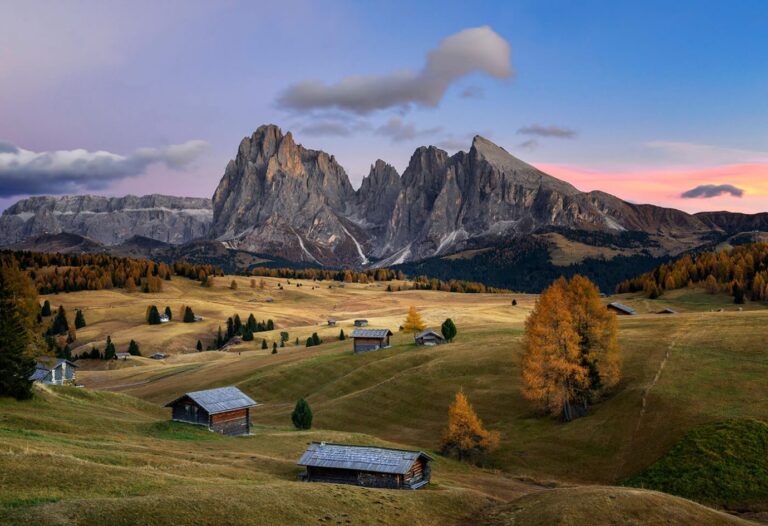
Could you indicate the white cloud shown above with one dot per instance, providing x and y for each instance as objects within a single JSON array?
[
  {"x": 474, "y": 50},
  {"x": 24, "y": 172},
  {"x": 705, "y": 154},
  {"x": 399, "y": 131}
]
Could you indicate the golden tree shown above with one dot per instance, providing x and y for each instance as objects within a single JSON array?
[
  {"x": 413, "y": 321},
  {"x": 465, "y": 437}
]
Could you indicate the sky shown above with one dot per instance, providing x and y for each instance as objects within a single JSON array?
[{"x": 655, "y": 102}]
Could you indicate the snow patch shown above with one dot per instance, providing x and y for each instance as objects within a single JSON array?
[
  {"x": 450, "y": 239},
  {"x": 364, "y": 260},
  {"x": 612, "y": 223},
  {"x": 301, "y": 244}
]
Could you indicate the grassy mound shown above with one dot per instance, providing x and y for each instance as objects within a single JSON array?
[
  {"x": 592, "y": 505},
  {"x": 723, "y": 464}
]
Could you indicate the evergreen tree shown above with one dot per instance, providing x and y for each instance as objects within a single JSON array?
[
  {"x": 94, "y": 354},
  {"x": 238, "y": 325},
  {"x": 297, "y": 340},
  {"x": 19, "y": 307},
  {"x": 219, "y": 339},
  {"x": 189, "y": 316},
  {"x": 133, "y": 348},
  {"x": 199, "y": 346},
  {"x": 514, "y": 303},
  {"x": 263, "y": 344},
  {"x": 153, "y": 317},
  {"x": 284, "y": 336},
  {"x": 282, "y": 343},
  {"x": 46, "y": 310},
  {"x": 448, "y": 329},
  {"x": 316, "y": 339},
  {"x": 79, "y": 319},
  {"x": 302, "y": 415},
  {"x": 247, "y": 335},
  {"x": 60, "y": 324},
  {"x": 270, "y": 325},
  {"x": 109, "y": 350},
  {"x": 251, "y": 323},
  {"x": 168, "y": 313},
  {"x": 310, "y": 342},
  {"x": 230, "y": 328},
  {"x": 342, "y": 336},
  {"x": 274, "y": 347},
  {"x": 738, "y": 293}
]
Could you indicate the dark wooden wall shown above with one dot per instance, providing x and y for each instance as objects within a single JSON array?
[
  {"x": 188, "y": 411},
  {"x": 232, "y": 422}
]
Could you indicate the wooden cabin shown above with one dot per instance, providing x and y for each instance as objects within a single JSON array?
[
  {"x": 361, "y": 323},
  {"x": 226, "y": 410},
  {"x": 667, "y": 311},
  {"x": 621, "y": 309},
  {"x": 54, "y": 371},
  {"x": 429, "y": 337},
  {"x": 373, "y": 467},
  {"x": 364, "y": 340},
  {"x": 122, "y": 355},
  {"x": 332, "y": 323}
]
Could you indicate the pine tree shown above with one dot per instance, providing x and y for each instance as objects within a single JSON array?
[
  {"x": 448, "y": 329},
  {"x": 189, "y": 316},
  {"x": 514, "y": 303},
  {"x": 251, "y": 323},
  {"x": 247, "y": 335},
  {"x": 238, "y": 325},
  {"x": 342, "y": 336},
  {"x": 109, "y": 350},
  {"x": 168, "y": 313},
  {"x": 230, "y": 328},
  {"x": 46, "y": 309},
  {"x": 284, "y": 336},
  {"x": 153, "y": 317},
  {"x": 302, "y": 415},
  {"x": 19, "y": 307},
  {"x": 219, "y": 339},
  {"x": 413, "y": 322},
  {"x": 274, "y": 347},
  {"x": 199, "y": 346},
  {"x": 282, "y": 343},
  {"x": 297, "y": 341},
  {"x": 264, "y": 344},
  {"x": 79, "y": 319},
  {"x": 60, "y": 324},
  {"x": 133, "y": 348},
  {"x": 316, "y": 339},
  {"x": 465, "y": 437},
  {"x": 310, "y": 342},
  {"x": 270, "y": 325}
]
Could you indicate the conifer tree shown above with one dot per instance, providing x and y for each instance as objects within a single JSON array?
[
  {"x": 448, "y": 329},
  {"x": 316, "y": 339},
  {"x": 274, "y": 347},
  {"x": 19, "y": 307},
  {"x": 413, "y": 322},
  {"x": 189, "y": 316},
  {"x": 46, "y": 309},
  {"x": 199, "y": 346},
  {"x": 230, "y": 328},
  {"x": 60, "y": 324},
  {"x": 79, "y": 319},
  {"x": 264, "y": 344},
  {"x": 168, "y": 313},
  {"x": 251, "y": 323},
  {"x": 109, "y": 350},
  {"x": 133, "y": 348},
  {"x": 297, "y": 341},
  {"x": 153, "y": 316},
  {"x": 284, "y": 336},
  {"x": 238, "y": 325},
  {"x": 465, "y": 437},
  {"x": 302, "y": 415},
  {"x": 310, "y": 342},
  {"x": 219, "y": 339},
  {"x": 270, "y": 325},
  {"x": 342, "y": 336},
  {"x": 247, "y": 335}
]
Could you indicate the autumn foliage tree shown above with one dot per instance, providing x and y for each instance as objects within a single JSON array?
[
  {"x": 413, "y": 321},
  {"x": 571, "y": 352},
  {"x": 465, "y": 437}
]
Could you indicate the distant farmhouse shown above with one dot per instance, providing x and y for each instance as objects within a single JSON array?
[
  {"x": 621, "y": 309},
  {"x": 332, "y": 323},
  {"x": 164, "y": 318},
  {"x": 429, "y": 337},
  {"x": 667, "y": 311},
  {"x": 159, "y": 356},
  {"x": 122, "y": 355},
  {"x": 361, "y": 323},
  {"x": 226, "y": 410},
  {"x": 365, "y": 340},
  {"x": 373, "y": 467},
  {"x": 54, "y": 371}
]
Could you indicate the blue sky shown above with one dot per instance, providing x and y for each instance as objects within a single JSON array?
[{"x": 643, "y": 99}]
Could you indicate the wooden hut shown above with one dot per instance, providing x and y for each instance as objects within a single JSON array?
[
  {"x": 429, "y": 337},
  {"x": 365, "y": 340},
  {"x": 361, "y": 323},
  {"x": 621, "y": 309},
  {"x": 53, "y": 371},
  {"x": 373, "y": 467},
  {"x": 332, "y": 323},
  {"x": 226, "y": 410}
]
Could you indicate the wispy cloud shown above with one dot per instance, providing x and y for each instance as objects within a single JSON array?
[
  {"x": 400, "y": 131},
  {"x": 708, "y": 191},
  {"x": 537, "y": 130},
  {"x": 704, "y": 154},
  {"x": 473, "y": 50},
  {"x": 24, "y": 172},
  {"x": 530, "y": 144}
]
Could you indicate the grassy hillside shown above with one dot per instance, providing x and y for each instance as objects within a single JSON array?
[{"x": 679, "y": 371}]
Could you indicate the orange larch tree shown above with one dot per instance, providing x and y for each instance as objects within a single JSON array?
[
  {"x": 465, "y": 437},
  {"x": 413, "y": 321}
]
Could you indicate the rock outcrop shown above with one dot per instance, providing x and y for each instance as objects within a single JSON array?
[{"x": 108, "y": 220}]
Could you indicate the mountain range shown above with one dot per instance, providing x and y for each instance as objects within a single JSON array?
[{"x": 279, "y": 198}]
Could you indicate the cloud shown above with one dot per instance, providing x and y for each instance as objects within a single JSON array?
[
  {"x": 331, "y": 127},
  {"x": 452, "y": 144},
  {"x": 706, "y": 154},
  {"x": 24, "y": 172},
  {"x": 707, "y": 191},
  {"x": 547, "y": 131},
  {"x": 530, "y": 144},
  {"x": 473, "y": 50},
  {"x": 399, "y": 131},
  {"x": 472, "y": 92}
]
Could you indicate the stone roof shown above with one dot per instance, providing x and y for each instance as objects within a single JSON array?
[
  {"x": 622, "y": 307},
  {"x": 371, "y": 333},
  {"x": 360, "y": 458},
  {"x": 218, "y": 400}
]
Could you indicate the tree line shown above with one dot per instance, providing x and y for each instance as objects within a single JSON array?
[{"x": 741, "y": 272}]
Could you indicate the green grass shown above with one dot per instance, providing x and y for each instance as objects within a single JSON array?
[{"x": 722, "y": 464}]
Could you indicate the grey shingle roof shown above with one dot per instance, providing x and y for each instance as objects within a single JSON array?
[
  {"x": 427, "y": 332},
  {"x": 371, "y": 333},
  {"x": 360, "y": 458},
  {"x": 219, "y": 400},
  {"x": 622, "y": 307},
  {"x": 39, "y": 374},
  {"x": 49, "y": 362}
]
